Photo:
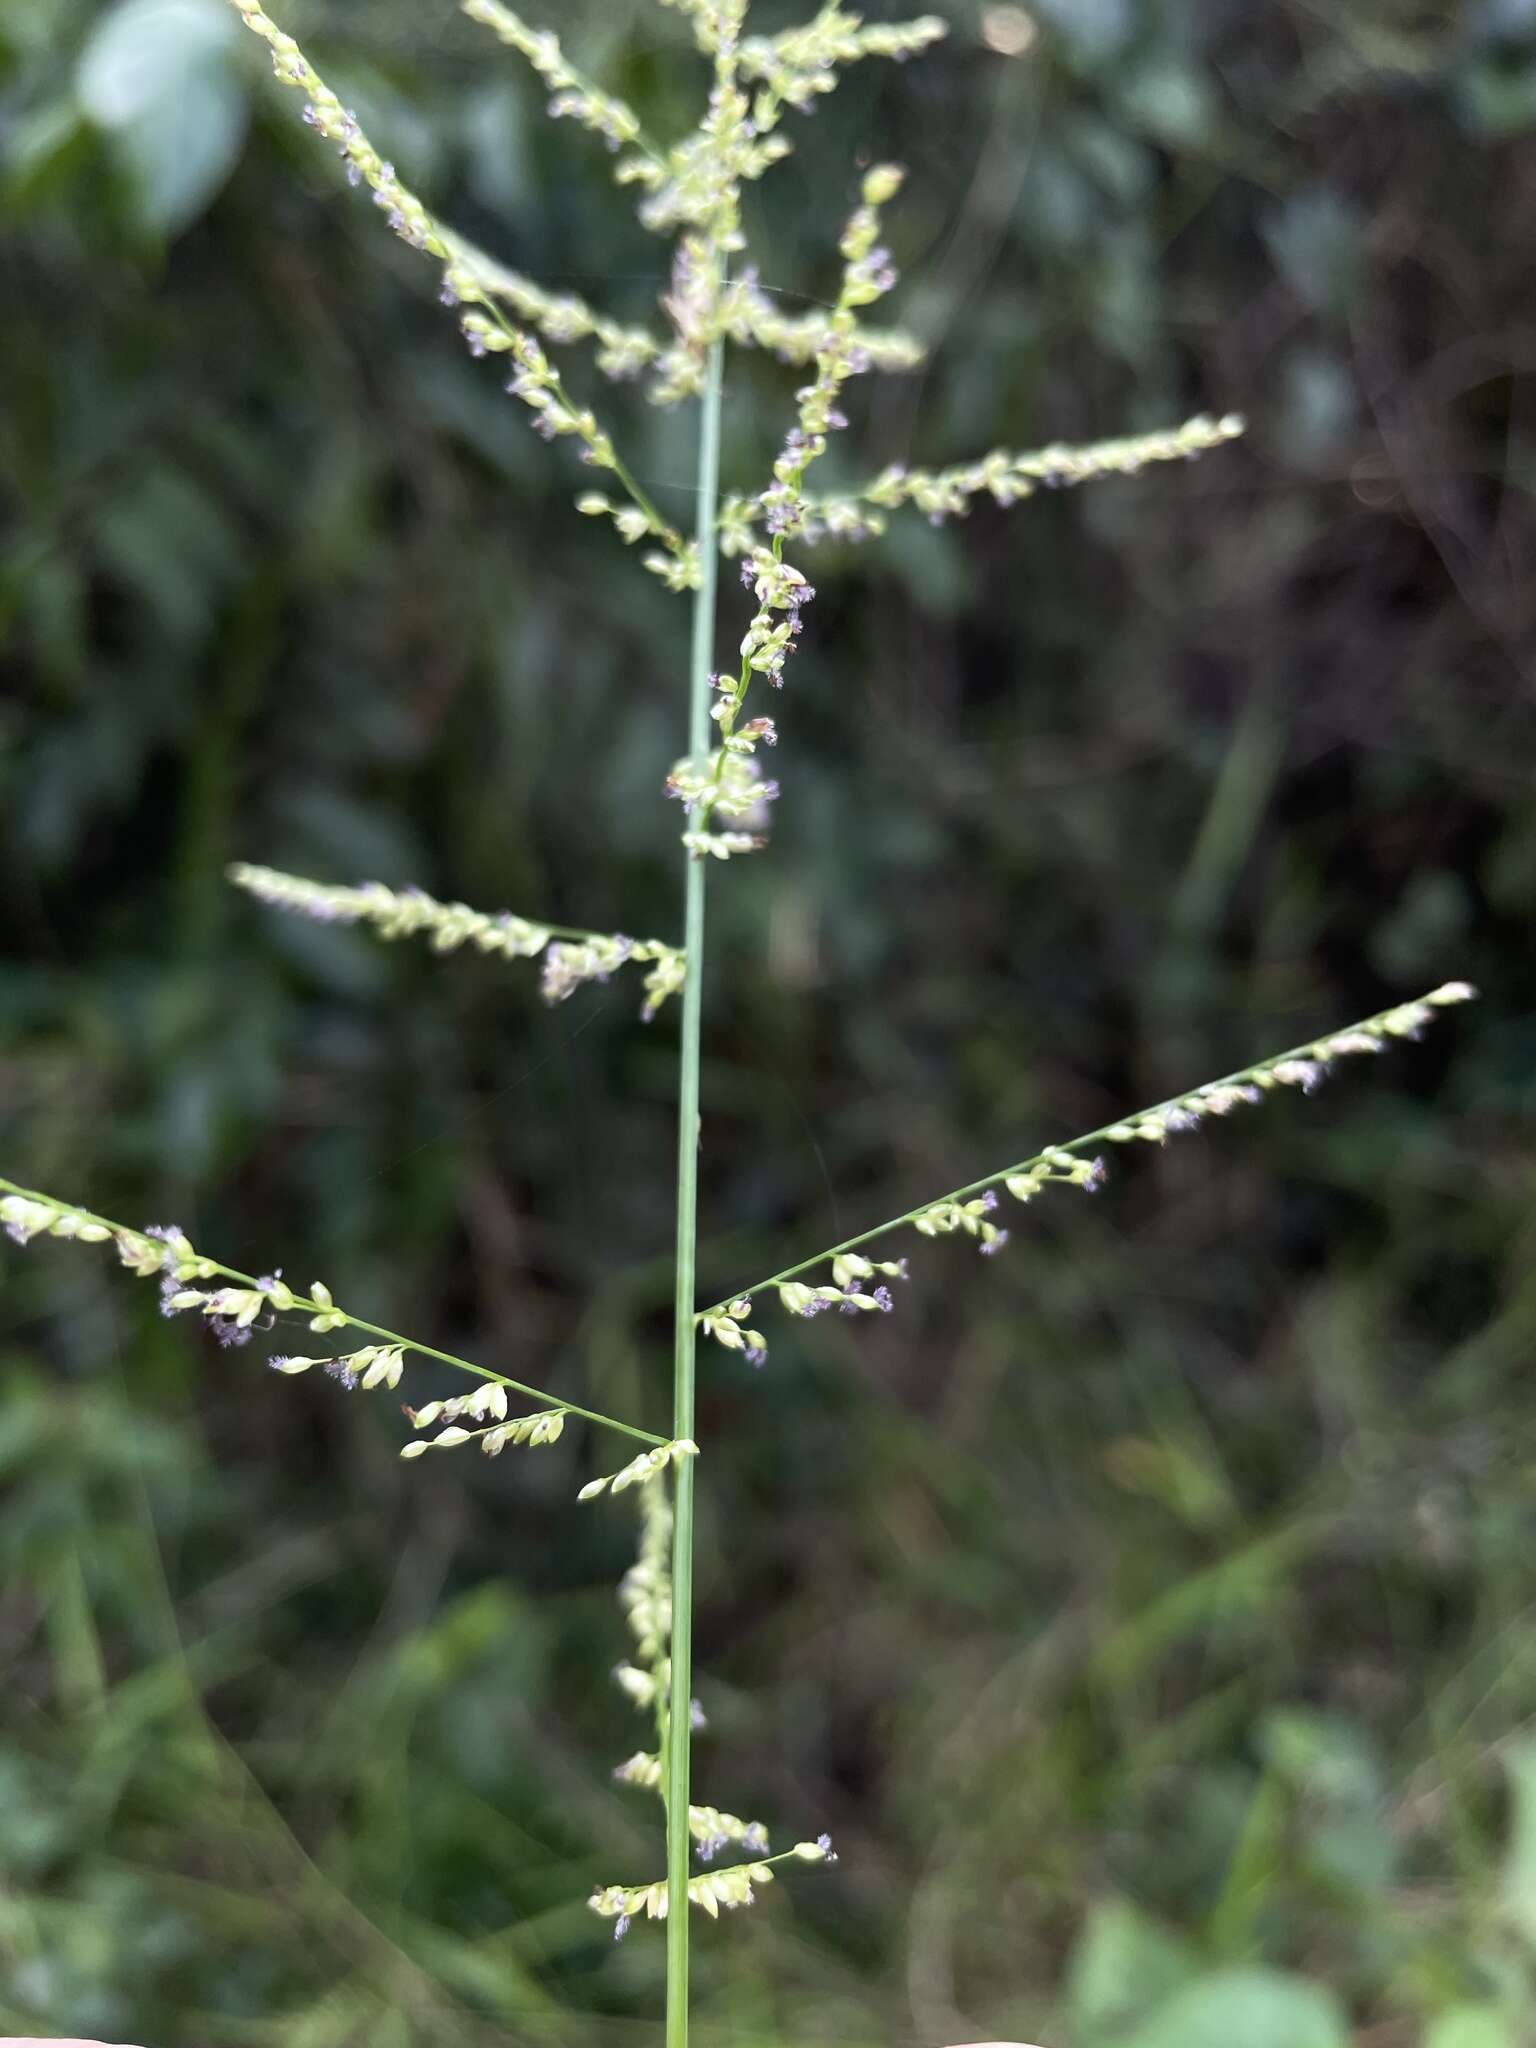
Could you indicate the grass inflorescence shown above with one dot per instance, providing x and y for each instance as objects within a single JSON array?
[{"x": 688, "y": 190}]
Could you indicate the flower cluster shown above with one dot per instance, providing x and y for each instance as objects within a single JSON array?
[
  {"x": 716, "y": 23},
  {"x": 1007, "y": 478},
  {"x": 645, "y": 1591},
  {"x": 849, "y": 1292},
  {"x": 573, "y": 97},
  {"x": 696, "y": 188},
  {"x": 677, "y": 566},
  {"x": 969, "y": 1211},
  {"x": 973, "y": 1217},
  {"x": 163, "y": 1251},
  {"x": 727, "y": 1326},
  {"x": 782, "y": 593},
  {"x": 750, "y": 318},
  {"x": 799, "y": 64},
  {"x": 324, "y": 112},
  {"x": 621, "y": 353},
  {"x": 712, "y": 1830},
  {"x": 692, "y": 188},
  {"x": 868, "y": 274},
  {"x": 24, "y": 1217},
  {"x": 647, "y": 1466},
  {"x": 243, "y": 1303},
  {"x": 570, "y": 960},
  {"x": 569, "y": 964},
  {"x": 727, "y": 783},
  {"x": 472, "y": 282},
  {"x": 376, "y": 1365},
  {"x": 735, "y": 1886},
  {"x": 646, "y": 1597},
  {"x": 232, "y": 1312},
  {"x": 546, "y": 1427},
  {"x": 841, "y": 353},
  {"x": 1304, "y": 1068},
  {"x": 712, "y": 1889}
]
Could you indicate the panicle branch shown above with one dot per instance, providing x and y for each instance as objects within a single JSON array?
[
  {"x": 641, "y": 1470},
  {"x": 800, "y": 64},
  {"x": 573, "y": 95},
  {"x": 248, "y": 1302},
  {"x": 728, "y": 781},
  {"x": 544, "y": 1428},
  {"x": 561, "y": 317},
  {"x": 969, "y": 1211},
  {"x": 716, "y": 23},
  {"x": 645, "y": 1594},
  {"x": 734, "y": 1886},
  {"x": 571, "y": 957},
  {"x": 465, "y": 284},
  {"x": 1007, "y": 478},
  {"x": 750, "y": 317}
]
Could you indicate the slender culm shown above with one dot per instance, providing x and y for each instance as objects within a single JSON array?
[{"x": 679, "y": 1719}]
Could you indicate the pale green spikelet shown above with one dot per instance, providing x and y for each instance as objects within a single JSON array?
[
  {"x": 244, "y": 1303},
  {"x": 572, "y": 95},
  {"x": 570, "y": 960},
  {"x": 801, "y": 64},
  {"x": 533, "y": 1430},
  {"x": 648, "y": 1465}
]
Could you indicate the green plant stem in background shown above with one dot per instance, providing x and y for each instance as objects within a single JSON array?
[{"x": 680, "y": 1687}]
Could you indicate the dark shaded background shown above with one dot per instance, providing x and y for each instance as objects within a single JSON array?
[{"x": 1149, "y": 1613}]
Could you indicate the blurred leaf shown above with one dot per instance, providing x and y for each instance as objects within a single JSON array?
[
  {"x": 1092, "y": 29},
  {"x": 40, "y": 149},
  {"x": 1498, "y": 97},
  {"x": 1257, "y": 2008},
  {"x": 179, "y": 166},
  {"x": 1322, "y": 1754},
  {"x": 1174, "y": 102},
  {"x": 145, "y": 54},
  {"x": 173, "y": 545},
  {"x": 1123, "y": 1966},
  {"x": 156, "y": 76},
  {"x": 1472, "y": 2026},
  {"x": 1180, "y": 1473},
  {"x": 1315, "y": 241}
]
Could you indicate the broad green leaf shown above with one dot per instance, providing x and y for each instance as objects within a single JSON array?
[
  {"x": 1253, "y": 2007},
  {"x": 1123, "y": 1965},
  {"x": 1330, "y": 1762},
  {"x": 145, "y": 53},
  {"x": 1471, "y": 2026},
  {"x": 179, "y": 165},
  {"x": 41, "y": 147},
  {"x": 156, "y": 77}
]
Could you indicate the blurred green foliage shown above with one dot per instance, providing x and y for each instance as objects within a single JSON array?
[{"x": 1148, "y": 1613}]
